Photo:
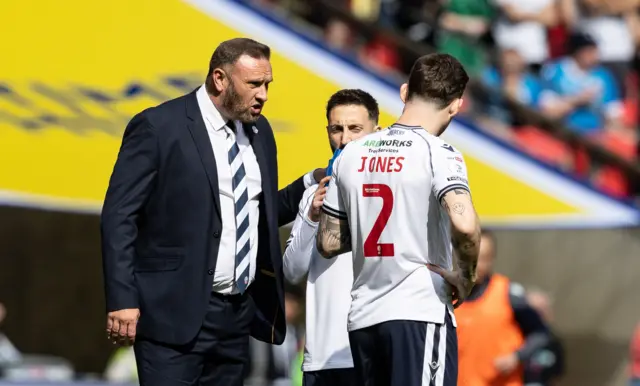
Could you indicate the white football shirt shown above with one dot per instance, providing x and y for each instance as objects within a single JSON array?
[
  {"x": 389, "y": 185},
  {"x": 329, "y": 284}
]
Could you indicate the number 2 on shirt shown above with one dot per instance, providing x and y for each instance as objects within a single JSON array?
[{"x": 371, "y": 246}]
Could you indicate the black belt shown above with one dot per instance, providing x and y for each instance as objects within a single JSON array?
[{"x": 231, "y": 298}]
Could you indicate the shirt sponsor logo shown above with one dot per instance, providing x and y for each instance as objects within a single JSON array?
[
  {"x": 457, "y": 178},
  {"x": 456, "y": 168},
  {"x": 387, "y": 142}
]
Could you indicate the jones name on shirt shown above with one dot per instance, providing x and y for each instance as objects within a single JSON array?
[{"x": 380, "y": 164}]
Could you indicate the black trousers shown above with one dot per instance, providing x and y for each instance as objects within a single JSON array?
[
  {"x": 330, "y": 377},
  {"x": 216, "y": 357},
  {"x": 406, "y": 353}
]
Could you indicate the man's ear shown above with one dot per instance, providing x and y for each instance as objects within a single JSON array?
[
  {"x": 404, "y": 90},
  {"x": 219, "y": 80},
  {"x": 455, "y": 107},
  {"x": 377, "y": 128}
]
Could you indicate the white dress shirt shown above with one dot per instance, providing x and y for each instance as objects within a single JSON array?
[{"x": 221, "y": 137}]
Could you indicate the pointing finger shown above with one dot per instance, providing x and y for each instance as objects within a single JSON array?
[{"x": 324, "y": 181}]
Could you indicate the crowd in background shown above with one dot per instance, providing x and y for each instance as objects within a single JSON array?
[{"x": 571, "y": 60}]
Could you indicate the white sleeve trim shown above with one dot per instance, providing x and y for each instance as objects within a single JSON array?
[
  {"x": 334, "y": 212},
  {"x": 301, "y": 243}
]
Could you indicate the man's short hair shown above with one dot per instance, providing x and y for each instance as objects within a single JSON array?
[
  {"x": 437, "y": 78},
  {"x": 354, "y": 97},
  {"x": 229, "y": 51}
]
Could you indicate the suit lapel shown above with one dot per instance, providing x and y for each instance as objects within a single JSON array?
[
  {"x": 203, "y": 143},
  {"x": 258, "y": 149}
]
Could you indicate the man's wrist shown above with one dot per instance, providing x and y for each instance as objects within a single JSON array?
[
  {"x": 468, "y": 270},
  {"x": 309, "y": 220}
]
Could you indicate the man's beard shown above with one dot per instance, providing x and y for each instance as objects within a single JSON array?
[{"x": 232, "y": 105}]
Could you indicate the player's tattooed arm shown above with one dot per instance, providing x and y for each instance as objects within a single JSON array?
[
  {"x": 334, "y": 236},
  {"x": 465, "y": 230}
]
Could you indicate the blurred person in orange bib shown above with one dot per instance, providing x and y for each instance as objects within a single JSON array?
[
  {"x": 497, "y": 329},
  {"x": 635, "y": 358}
]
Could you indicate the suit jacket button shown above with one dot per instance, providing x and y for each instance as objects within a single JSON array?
[
  {"x": 210, "y": 272},
  {"x": 216, "y": 234}
]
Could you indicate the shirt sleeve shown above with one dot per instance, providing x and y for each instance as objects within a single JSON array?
[
  {"x": 333, "y": 203},
  {"x": 301, "y": 243},
  {"x": 309, "y": 180},
  {"x": 449, "y": 169}
]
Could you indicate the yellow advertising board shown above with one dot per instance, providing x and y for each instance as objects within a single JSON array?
[{"x": 74, "y": 73}]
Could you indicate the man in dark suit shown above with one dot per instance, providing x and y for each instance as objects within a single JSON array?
[{"x": 190, "y": 245}]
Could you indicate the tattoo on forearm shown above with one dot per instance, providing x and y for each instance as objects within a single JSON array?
[
  {"x": 467, "y": 248},
  {"x": 334, "y": 236},
  {"x": 458, "y": 208}
]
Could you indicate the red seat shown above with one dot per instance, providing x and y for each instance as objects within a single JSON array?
[
  {"x": 543, "y": 146},
  {"x": 616, "y": 143},
  {"x": 630, "y": 113},
  {"x": 611, "y": 181}
]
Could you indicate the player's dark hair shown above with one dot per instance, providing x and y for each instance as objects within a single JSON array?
[
  {"x": 229, "y": 51},
  {"x": 354, "y": 97},
  {"x": 437, "y": 78}
]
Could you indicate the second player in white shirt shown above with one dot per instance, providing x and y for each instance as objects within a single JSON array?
[{"x": 351, "y": 114}]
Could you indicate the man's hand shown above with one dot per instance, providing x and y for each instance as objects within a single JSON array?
[
  {"x": 121, "y": 326},
  {"x": 507, "y": 363},
  {"x": 461, "y": 285},
  {"x": 318, "y": 199},
  {"x": 319, "y": 174}
]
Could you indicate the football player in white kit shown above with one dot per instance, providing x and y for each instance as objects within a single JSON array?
[
  {"x": 351, "y": 114},
  {"x": 399, "y": 199}
]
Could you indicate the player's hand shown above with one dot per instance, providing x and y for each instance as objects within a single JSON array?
[
  {"x": 318, "y": 199},
  {"x": 461, "y": 285},
  {"x": 507, "y": 363},
  {"x": 121, "y": 326}
]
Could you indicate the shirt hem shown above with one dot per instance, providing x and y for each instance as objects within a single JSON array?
[
  {"x": 326, "y": 366},
  {"x": 359, "y": 326}
]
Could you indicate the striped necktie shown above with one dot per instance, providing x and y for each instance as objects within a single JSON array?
[{"x": 241, "y": 198}]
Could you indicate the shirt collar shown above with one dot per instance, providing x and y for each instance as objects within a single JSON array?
[{"x": 209, "y": 111}]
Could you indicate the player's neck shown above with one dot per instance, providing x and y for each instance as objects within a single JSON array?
[{"x": 423, "y": 115}]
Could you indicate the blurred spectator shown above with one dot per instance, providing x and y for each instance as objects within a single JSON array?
[
  {"x": 613, "y": 24},
  {"x": 366, "y": 10},
  {"x": 635, "y": 358},
  {"x": 546, "y": 365},
  {"x": 380, "y": 55},
  {"x": 581, "y": 91},
  {"x": 527, "y": 21},
  {"x": 465, "y": 23},
  {"x": 8, "y": 352},
  {"x": 498, "y": 330},
  {"x": 512, "y": 78},
  {"x": 339, "y": 36}
]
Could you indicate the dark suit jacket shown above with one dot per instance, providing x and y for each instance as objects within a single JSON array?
[{"x": 161, "y": 225}]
